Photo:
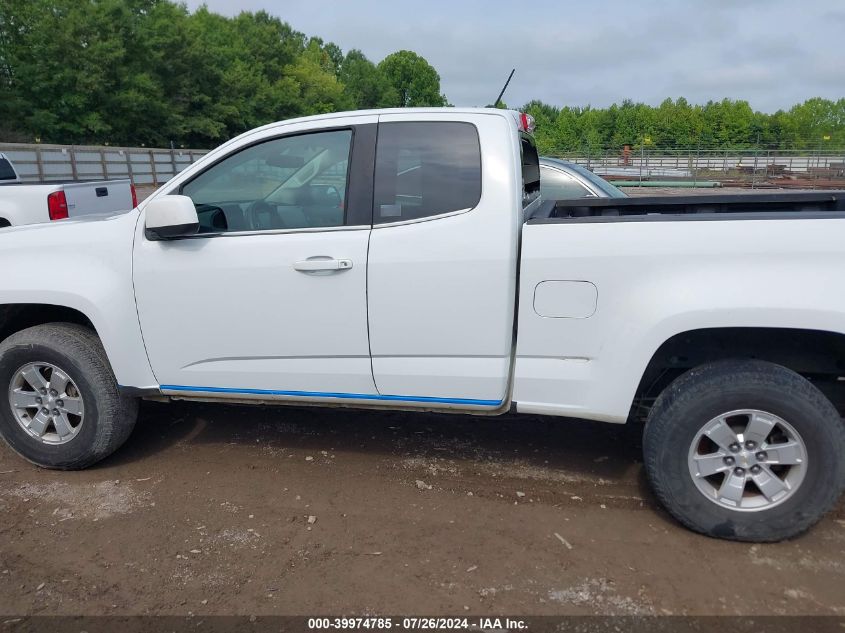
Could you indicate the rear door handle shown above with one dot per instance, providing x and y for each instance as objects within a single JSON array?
[{"x": 315, "y": 264}]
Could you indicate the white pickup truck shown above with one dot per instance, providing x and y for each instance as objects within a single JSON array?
[
  {"x": 405, "y": 259},
  {"x": 25, "y": 203}
]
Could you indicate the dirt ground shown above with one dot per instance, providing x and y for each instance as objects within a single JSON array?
[{"x": 223, "y": 509}]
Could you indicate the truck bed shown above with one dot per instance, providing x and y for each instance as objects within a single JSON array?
[
  {"x": 710, "y": 207},
  {"x": 57, "y": 182},
  {"x": 28, "y": 203},
  {"x": 606, "y": 282}
]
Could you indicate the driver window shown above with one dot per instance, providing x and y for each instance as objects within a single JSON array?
[{"x": 286, "y": 183}]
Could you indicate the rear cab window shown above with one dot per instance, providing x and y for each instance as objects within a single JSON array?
[
  {"x": 530, "y": 169},
  {"x": 424, "y": 169},
  {"x": 7, "y": 172}
]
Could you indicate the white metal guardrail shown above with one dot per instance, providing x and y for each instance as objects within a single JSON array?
[
  {"x": 144, "y": 166},
  {"x": 805, "y": 168},
  {"x": 155, "y": 166}
]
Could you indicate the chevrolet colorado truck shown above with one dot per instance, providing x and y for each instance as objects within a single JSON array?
[
  {"x": 405, "y": 259},
  {"x": 26, "y": 203}
]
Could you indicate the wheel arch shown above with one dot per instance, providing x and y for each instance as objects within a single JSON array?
[
  {"x": 128, "y": 359},
  {"x": 15, "y": 317},
  {"x": 818, "y": 355}
]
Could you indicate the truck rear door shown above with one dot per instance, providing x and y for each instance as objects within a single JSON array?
[{"x": 442, "y": 257}]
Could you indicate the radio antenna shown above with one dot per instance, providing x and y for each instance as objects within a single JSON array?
[{"x": 505, "y": 87}]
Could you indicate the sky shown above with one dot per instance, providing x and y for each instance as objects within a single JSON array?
[{"x": 772, "y": 53}]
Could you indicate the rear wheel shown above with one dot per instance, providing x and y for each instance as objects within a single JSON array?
[
  {"x": 60, "y": 406},
  {"x": 745, "y": 450}
]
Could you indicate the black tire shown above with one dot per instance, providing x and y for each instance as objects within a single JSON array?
[
  {"x": 711, "y": 390},
  {"x": 109, "y": 416}
]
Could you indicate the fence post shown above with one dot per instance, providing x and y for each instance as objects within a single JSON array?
[
  {"x": 126, "y": 153},
  {"x": 73, "y": 169},
  {"x": 816, "y": 172},
  {"x": 103, "y": 164},
  {"x": 39, "y": 163},
  {"x": 754, "y": 169},
  {"x": 153, "y": 167},
  {"x": 695, "y": 169},
  {"x": 689, "y": 161},
  {"x": 642, "y": 160},
  {"x": 768, "y": 160}
]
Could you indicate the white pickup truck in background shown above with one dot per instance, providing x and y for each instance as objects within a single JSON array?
[
  {"x": 25, "y": 203},
  {"x": 406, "y": 259}
]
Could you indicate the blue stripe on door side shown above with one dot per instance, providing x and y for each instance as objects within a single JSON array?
[{"x": 344, "y": 396}]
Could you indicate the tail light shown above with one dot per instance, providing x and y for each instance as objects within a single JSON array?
[
  {"x": 57, "y": 205},
  {"x": 526, "y": 122},
  {"x": 134, "y": 196}
]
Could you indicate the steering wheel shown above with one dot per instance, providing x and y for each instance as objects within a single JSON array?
[{"x": 254, "y": 212}]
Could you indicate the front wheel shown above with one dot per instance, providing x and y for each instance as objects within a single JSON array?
[
  {"x": 745, "y": 450},
  {"x": 60, "y": 406}
]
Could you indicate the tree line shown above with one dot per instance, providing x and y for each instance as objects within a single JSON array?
[
  {"x": 727, "y": 124},
  {"x": 150, "y": 72}
]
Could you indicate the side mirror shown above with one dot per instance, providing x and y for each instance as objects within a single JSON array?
[{"x": 169, "y": 217}]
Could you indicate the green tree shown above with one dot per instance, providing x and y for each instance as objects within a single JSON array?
[
  {"x": 415, "y": 81},
  {"x": 545, "y": 117},
  {"x": 366, "y": 83},
  {"x": 317, "y": 90},
  {"x": 149, "y": 72}
]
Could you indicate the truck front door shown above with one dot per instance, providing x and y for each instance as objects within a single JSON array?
[{"x": 269, "y": 299}]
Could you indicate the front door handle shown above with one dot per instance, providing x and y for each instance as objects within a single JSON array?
[{"x": 315, "y": 264}]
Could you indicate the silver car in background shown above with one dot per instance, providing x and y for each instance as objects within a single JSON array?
[{"x": 564, "y": 180}]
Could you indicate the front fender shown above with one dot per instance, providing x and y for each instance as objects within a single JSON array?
[{"x": 85, "y": 265}]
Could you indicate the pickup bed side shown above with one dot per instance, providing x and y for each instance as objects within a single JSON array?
[{"x": 653, "y": 281}]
